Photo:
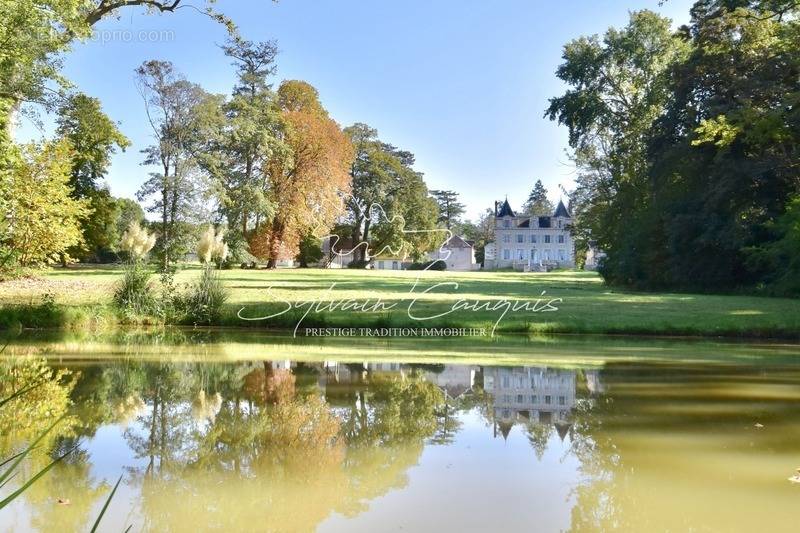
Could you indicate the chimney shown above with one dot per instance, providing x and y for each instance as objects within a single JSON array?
[{"x": 495, "y": 207}]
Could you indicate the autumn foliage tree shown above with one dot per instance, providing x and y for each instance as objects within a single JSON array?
[{"x": 307, "y": 182}]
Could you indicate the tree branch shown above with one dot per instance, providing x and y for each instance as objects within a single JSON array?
[{"x": 108, "y": 6}]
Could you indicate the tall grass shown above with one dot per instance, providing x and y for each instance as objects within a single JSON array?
[
  {"x": 206, "y": 298},
  {"x": 135, "y": 296}
]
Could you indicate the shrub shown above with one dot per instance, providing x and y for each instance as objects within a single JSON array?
[
  {"x": 203, "y": 304},
  {"x": 358, "y": 264},
  {"x": 429, "y": 265},
  {"x": 134, "y": 295}
]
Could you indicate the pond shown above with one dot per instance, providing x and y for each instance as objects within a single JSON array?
[{"x": 256, "y": 432}]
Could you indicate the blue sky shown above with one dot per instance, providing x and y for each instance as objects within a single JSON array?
[{"x": 461, "y": 84}]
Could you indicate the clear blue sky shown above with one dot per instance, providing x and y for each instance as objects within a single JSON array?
[{"x": 462, "y": 84}]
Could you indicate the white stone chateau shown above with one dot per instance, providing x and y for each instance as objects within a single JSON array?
[{"x": 526, "y": 242}]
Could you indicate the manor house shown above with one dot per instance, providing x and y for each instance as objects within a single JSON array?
[{"x": 528, "y": 242}]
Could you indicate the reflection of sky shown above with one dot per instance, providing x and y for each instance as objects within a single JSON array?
[{"x": 478, "y": 483}]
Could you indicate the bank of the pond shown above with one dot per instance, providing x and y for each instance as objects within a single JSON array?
[{"x": 506, "y": 302}]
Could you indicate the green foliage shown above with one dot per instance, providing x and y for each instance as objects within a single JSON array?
[
  {"x": 450, "y": 209},
  {"x": 480, "y": 233},
  {"x": 384, "y": 182},
  {"x": 206, "y": 298},
  {"x": 538, "y": 203},
  {"x": 779, "y": 258},
  {"x": 177, "y": 109},
  {"x": 135, "y": 295},
  {"x": 94, "y": 139},
  {"x": 42, "y": 219},
  {"x": 687, "y": 145},
  {"x": 429, "y": 265},
  {"x": 310, "y": 251}
]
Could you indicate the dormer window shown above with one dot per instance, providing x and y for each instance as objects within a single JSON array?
[{"x": 506, "y": 223}]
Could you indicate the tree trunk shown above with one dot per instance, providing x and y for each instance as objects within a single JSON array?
[
  {"x": 275, "y": 239},
  {"x": 356, "y": 237},
  {"x": 365, "y": 238}
]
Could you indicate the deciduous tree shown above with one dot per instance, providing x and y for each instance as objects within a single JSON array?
[
  {"x": 308, "y": 182},
  {"x": 43, "y": 218}
]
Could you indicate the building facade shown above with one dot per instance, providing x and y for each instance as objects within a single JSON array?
[
  {"x": 457, "y": 253},
  {"x": 526, "y": 242}
]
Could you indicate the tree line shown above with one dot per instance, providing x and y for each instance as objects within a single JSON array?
[
  {"x": 267, "y": 163},
  {"x": 686, "y": 145}
]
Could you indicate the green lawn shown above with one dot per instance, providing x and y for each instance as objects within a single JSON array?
[{"x": 586, "y": 306}]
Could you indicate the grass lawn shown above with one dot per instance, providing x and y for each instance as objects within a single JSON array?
[{"x": 586, "y": 306}]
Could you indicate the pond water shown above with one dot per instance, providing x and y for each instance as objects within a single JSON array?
[{"x": 252, "y": 432}]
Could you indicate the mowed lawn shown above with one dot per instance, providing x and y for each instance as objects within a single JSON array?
[{"x": 396, "y": 298}]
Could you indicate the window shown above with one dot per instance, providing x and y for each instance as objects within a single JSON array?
[
  {"x": 533, "y": 254},
  {"x": 561, "y": 255},
  {"x": 560, "y": 239},
  {"x": 520, "y": 254},
  {"x": 547, "y": 255},
  {"x": 506, "y": 223},
  {"x": 506, "y": 254},
  {"x": 507, "y": 398},
  {"x": 547, "y": 400},
  {"x": 547, "y": 239},
  {"x": 562, "y": 400},
  {"x": 520, "y": 238},
  {"x": 506, "y": 382},
  {"x": 534, "y": 399},
  {"x": 559, "y": 223},
  {"x": 380, "y": 264},
  {"x": 520, "y": 398},
  {"x": 395, "y": 265},
  {"x": 506, "y": 238},
  {"x": 533, "y": 239}
]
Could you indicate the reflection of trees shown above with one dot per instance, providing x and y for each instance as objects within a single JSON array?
[
  {"x": 539, "y": 436},
  {"x": 241, "y": 446},
  {"x": 25, "y": 418},
  {"x": 278, "y": 457},
  {"x": 28, "y": 415}
]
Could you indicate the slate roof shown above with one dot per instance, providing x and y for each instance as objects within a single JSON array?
[
  {"x": 506, "y": 210},
  {"x": 561, "y": 211}
]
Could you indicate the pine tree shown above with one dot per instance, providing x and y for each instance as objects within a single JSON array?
[{"x": 537, "y": 203}]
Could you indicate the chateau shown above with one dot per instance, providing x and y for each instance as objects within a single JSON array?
[{"x": 528, "y": 242}]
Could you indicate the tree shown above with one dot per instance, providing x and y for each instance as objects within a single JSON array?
[
  {"x": 383, "y": 181},
  {"x": 724, "y": 155},
  {"x": 480, "y": 233},
  {"x": 176, "y": 110},
  {"x": 537, "y": 203},
  {"x": 35, "y": 33},
  {"x": 245, "y": 137},
  {"x": 42, "y": 216},
  {"x": 308, "y": 181},
  {"x": 129, "y": 212},
  {"x": 619, "y": 85},
  {"x": 94, "y": 139},
  {"x": 309, "y": 250},
  {"x": 449, "y": 207}
]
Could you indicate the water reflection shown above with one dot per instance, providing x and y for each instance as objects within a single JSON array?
[{"x": 299, "y": 446}]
